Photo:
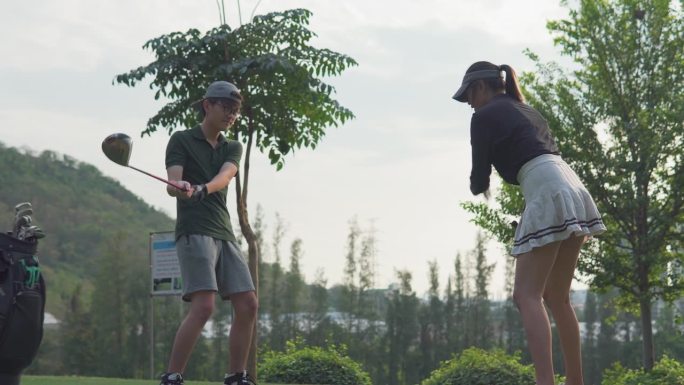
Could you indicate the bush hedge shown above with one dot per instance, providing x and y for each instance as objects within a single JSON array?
[
  {"x": 475, "y": 366},
  {"x": 665, "y": 372},
  {"x": 312, "y": 365}
]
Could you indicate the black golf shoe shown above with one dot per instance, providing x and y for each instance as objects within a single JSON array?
[
  {"x": 171, "y": 379},
  {"x": 238, "y": 379}
]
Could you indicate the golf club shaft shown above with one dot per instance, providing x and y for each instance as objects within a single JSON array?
[{"x": 160, "y": 179}]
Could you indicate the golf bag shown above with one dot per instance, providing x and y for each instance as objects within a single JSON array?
[{"x": 22, "y": 306}]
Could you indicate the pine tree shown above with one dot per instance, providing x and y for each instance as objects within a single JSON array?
[
  {"x": 402, "y": 328},
  {"x": 669, "y": 335},
  {"x": 589, "y": 345},
  {"x": 262, "y": 251},
  {"x": 168, "y": 313},
  {"x": 606, "y": 340},
  {"x": 293, "y": 291},
  {"x": 110, "y": 293},
  {"x": 349, "y": 303},
  {"x": 220, "y": 327},
  {"x": 460, "y": 306},
  {"x": 431, "y": 324},
  {"x": 366, "y": 308},
  {"x": 366, "y": 342},
  {"x": 78, "y": 343},
  {"x": 277, "y": 335},
  {"x": 317, "y": 309},
  {"x": 449, "y": 322},
  {"x": 513, "y": 329},
  {"x": 137, "y": 321},
  {"x": 481, "y": 310},
  {"x": 200, "y": 366}
]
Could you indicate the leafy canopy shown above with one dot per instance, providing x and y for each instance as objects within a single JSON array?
[
  {"x": 618, "y": 119},
  {"x": 287, "y": 104}
]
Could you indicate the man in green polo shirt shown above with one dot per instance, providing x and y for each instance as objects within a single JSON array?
[{"x": 203, "y": 162}]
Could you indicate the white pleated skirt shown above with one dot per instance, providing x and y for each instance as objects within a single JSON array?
[{"x": 557, "y": 205}]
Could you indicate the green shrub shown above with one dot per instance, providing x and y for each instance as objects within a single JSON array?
[
  {"x": 479, "y": 367},
  {"x": 312, "y": 365},
  {"x": 665, "y": 372}
]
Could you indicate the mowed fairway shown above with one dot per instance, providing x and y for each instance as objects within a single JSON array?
[{"x": 49, "y": 380}]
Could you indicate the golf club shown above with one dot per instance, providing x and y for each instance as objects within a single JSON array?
[{"x": 118, "y": 148}]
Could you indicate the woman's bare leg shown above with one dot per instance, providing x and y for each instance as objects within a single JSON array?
[
  {"x": 532, "y": 270},
  {"x": 557, "y": 298}
]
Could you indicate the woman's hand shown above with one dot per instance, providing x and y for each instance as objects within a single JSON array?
[{"x": 486, "y": 194}]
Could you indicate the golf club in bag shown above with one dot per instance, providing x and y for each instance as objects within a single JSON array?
[
  {"x": 22, "y": 296},
  {"x": 117, "y": 147}
]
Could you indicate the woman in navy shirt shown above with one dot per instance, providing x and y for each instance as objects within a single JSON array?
[{"x": 559, "y": 214}]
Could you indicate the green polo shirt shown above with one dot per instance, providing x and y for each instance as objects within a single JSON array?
[{"x": 201, "y": 163}]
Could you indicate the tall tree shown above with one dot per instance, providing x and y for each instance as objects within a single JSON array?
[
  {"x": 513, "y": 331},
  {"x": 317, "y": 308},
  {"x": 277, "y": 336},
  {"x": 294, "y": 285},
  {"x": 460, "y": 305},
  {"x": 77, "y": 335},
  {"x": 431, "y": 324},
  {"x": 607, "y": 345},
  {"x": 366, "y": 308},
  {"x": 367, "y": 333},
  {"x": 589, "y": 348},
  {"x": 402, "y": 328},
  {"x": 221, "y": 321},
  {"x": 262, "y": 247},
  {"x": 449, "y": 315},
  {"x": 110, "y": 293},
  {"x": 350, "y": 289},
  {"x": 480, "y": 310},
  {"x": 137, "y": 319},
  {"x": 618, "y": 119},
  {"x": 286, "y": 104},
  {"x": 670, "y": 335}
]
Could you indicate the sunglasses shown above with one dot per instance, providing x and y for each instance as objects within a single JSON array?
[{"x": 230, "y": 109}]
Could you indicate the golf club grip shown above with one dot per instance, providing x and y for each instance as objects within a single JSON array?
[{"x": 182, "y": 188}]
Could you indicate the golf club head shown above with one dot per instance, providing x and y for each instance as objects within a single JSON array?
[{"x": 118, "y": 147}]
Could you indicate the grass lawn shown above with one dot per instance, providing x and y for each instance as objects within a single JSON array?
[{"x": 49, "y": 380}]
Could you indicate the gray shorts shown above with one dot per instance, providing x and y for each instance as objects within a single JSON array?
[{"x": 209, "y": 264}]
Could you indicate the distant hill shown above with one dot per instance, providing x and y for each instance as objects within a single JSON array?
[{"x": 79, "y": 209}]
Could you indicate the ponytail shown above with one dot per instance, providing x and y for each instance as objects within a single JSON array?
[{"x": 512, "y": 87}]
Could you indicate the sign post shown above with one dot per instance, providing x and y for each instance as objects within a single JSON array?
[{"x": 165, "y": 276}]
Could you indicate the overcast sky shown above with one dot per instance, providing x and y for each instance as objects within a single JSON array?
[{"x": 401, "y": 167}]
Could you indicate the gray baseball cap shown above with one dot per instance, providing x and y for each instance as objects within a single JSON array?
[
  {"x": 470, "y": 77},
  {"x": 221, "y": 89}
]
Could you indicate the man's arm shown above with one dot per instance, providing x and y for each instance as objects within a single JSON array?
[
  {"x": 175, "y": 174},
  {"x": 223, "y": 178}
]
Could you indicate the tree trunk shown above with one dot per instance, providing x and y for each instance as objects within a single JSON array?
[
  {"x": 253, "y": 258},
  {"x": 252, "y": 246},
  {"x": 647, "y": 334}
]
